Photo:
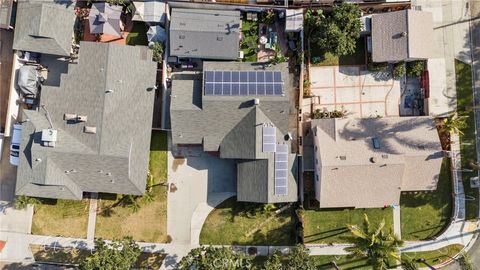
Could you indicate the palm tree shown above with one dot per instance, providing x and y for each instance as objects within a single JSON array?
[
  {"x": 374, "y": 244},
  {"x": 454, "y": 124}
]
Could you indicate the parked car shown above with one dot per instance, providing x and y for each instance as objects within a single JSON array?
[{"x": 15, "y": 144}]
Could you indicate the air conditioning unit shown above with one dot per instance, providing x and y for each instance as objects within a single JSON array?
[
  {"x": 90, "y": 130},
  {"x": 49, "y": 137}
]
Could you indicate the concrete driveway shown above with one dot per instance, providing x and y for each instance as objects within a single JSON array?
[
  {"x": 198, "y": 180},
  {"x": 354, "y": 89}
]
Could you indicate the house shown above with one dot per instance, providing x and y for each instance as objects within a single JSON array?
[
  {"x": 92, "y": 133},
  {"x": 44, "y": 27},
  {"x": 401, "y": 36},
  {"x": 207, "y": 34},
  {"x": 6, "y": 8},
  {"x": 367, "y": 163},
  {"x": 241, "y": 112},
  {"x": 150, "y": 11}
]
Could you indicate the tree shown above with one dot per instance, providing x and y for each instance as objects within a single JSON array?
[
  {"x": 298, "y": 258},
  {"x": 399, "y": 70},
  {"x": 374, "y": 244},
  {"x": 157, "y": 49},
  {"x": 204, "y": 258},
  {"x": 338, "y": 32},
  {"x": 454, "y": 124},
  {"x": 22, "y": 201},
  {"x": 118, "y": 255},
  {"x": 415, "y": 69}
]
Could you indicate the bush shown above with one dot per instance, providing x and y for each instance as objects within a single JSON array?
[
  {"x": 415, "y": 68},
  {"x": 465, "y": 262},
  {"x": 157, "y": 49},
  {"x": 22, "y": 201},
  {"x": 399, "y": 70},
  {"x": 376, "y": 67},
  {"x": 323, "y": 114}
]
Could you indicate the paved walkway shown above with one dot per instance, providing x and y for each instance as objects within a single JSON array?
[{"x": 92, "y": 216}]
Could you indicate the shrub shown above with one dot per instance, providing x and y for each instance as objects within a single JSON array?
[
  {"x": 323, "y": 114},
  {"x": 399, "y": 70},
  {"x": 376, "y": 67},
  {"x": 157, "y": 49},
  {"x": 415, "y": 68},
  {"x": 22, "y": 201},
  {"x": 466, "y": 262}
]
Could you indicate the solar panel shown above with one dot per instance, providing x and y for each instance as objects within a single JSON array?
[
  {"x": 243, "y": 83},
  {"x": 269, "y": 139},
  {"x": 281, "y": 169}
]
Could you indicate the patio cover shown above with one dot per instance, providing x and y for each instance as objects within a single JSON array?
[
  {"x": 105, "y": 19},
  {"x": 149, "y": 11},
  {"x": 156, "y": 33},
  {"x": 27, "y": 80}
]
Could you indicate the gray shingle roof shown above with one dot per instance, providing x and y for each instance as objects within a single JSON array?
[
  {"x": 115, "y": 159},
  {"x": 209, "y": 34},
  {"x": 232, "y": 125},
  {"x": 402, "y": 35},
  {"x": 44, "y": 27},
  {"x": 352, "y": 172}
]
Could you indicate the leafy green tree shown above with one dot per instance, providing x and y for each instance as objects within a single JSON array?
[
  {"x": 399, "y": 70},
  {"x": 22, "y": 201},
  {"x": 157, "y": 49},
  {"x": 378, "y": 246},
  {"x": 117, "y": 255},
  {"x": 454, "y": 124},
  {"x": 338, "y": 32},
  {"x": 298, "y": 258},
  {"x": 206, "y": 258}
]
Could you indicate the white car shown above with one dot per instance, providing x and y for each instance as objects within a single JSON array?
[{"x": 15, "y": 144}]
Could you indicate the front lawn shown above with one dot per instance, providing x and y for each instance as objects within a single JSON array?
[
  {"x": 148, "y": 223},
  {"x": 75, "y": 256},
  {"x": 320, "y": 58},
  {"x": 138, "y": 34},
  {"x": 463, "y": 74},
  {"x": 434, "y": 257},
  {"x": 66, "y": 218},
  {"x": 342, "y": 261},
  {"x": 330, "y": 226},
  {"x": 425, "y": 214},
  {"x": 231, "y": 223}
]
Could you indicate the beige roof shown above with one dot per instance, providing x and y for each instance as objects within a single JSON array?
[
  {"x": 402, "y": 35},
  {"x": 354, "y": 171}
]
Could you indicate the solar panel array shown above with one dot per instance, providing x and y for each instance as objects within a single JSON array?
[
  {"x": 243, "y": 83},
  {"x": 269, "y": 139},
  {"x": 281, "y": 169}
]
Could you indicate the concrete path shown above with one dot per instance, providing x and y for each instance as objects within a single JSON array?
[
  {"x": 92, "y": 216},
  {"x": 201, "y": 213},
  {"x": 397, "y": 224},
  {"x": 15, "y": 227},
  {"x": 194, "y": 180}
]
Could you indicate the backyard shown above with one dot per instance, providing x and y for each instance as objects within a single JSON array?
[
  {"x": 425, "y": 214},
  {"x": 468, "y": 149},
  {"x": 320, "y": 58},
  {"x": 330, "y": 226},
  {"x": 235, "y": 223},
  {"x": 66, "y": 218},
  {"x": 138, "y": 34},
  {"x": 147, "y": 221},
  {"x": 249, "y": 41}
]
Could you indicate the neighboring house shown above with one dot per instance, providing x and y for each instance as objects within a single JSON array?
[
  {"x": 6, "y": 12},
  {"x": 93, "y": 134},
  {"x": 44, "y": 27},
  {"x": 242, "y": 113},
  {"x": 207, "y": 34},
  {"x": 401, "y": 36},
  {"x": 150, "y": 11},
  {"x": 367, "y": 163}
]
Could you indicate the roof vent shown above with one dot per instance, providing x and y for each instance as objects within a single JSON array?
[
  {"x": 90, "y": 130},
  {"x": 70, "y": 117},
  {"x": 288, "y": 137},
  {"x": 403, "y": 34},
  {"x": 219, "y": 38},
  {"x": 256, "y": 101},
  {"x": 385, "y": 156},
  {"x": 343, "y": 157},
  {"x": 108, "y": 91},
  {"x": 82, "y": 118},
  {"x": 49, "y": 137},
  {"x": 373, "y": 160}
]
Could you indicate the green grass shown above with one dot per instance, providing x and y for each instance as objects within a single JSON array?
[
  {"x": 75, "y": 256},
  {"x": 330, "y": 226},
  {"x": 149, "y": 223},
  {"x": 463, "y": 73},
  {"x": 249, "y": 42},
  {"x": 66, "y": 218},
  {"x": 328, "y": 59},
  {"x": 434, "y": 257},
  {"x": 425, "y": 214},
  {"x": 138, "y": 35},
  {"x": 343, "y": 262},
  {"x": 228, "y": 224}
]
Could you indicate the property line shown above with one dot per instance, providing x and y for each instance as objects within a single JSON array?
[{"x": 351, "y": 103}]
